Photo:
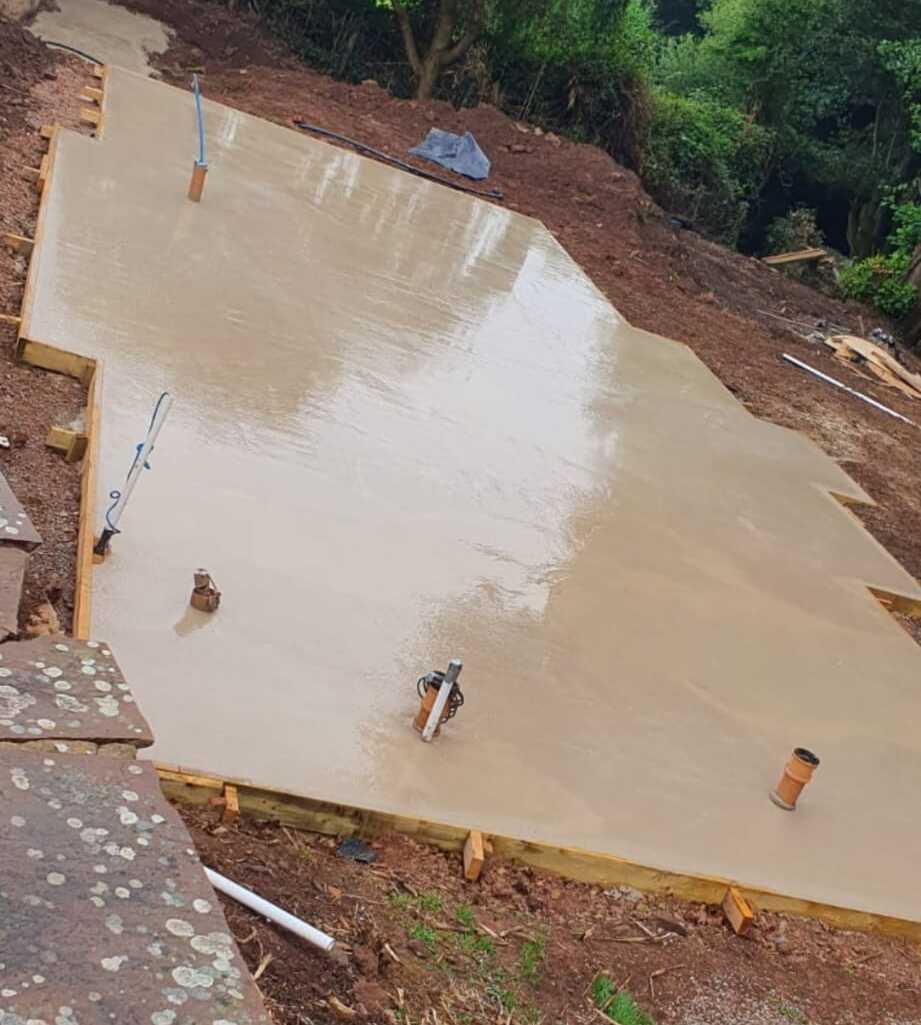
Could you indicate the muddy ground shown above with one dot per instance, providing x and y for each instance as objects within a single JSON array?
[
  {"x": 420, "y": 944},
  {"x": 38, "y": 86}
]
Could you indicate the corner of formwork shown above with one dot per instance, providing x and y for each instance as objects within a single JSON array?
[{"x": 70, "y": 364}]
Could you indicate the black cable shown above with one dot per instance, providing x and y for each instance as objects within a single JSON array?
[
  {"x": 394, "y": 162},
  {"x": 73, "y": 49}
]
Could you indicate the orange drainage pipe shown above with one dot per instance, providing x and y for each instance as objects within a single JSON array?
[{"x": 796, "y": 774}]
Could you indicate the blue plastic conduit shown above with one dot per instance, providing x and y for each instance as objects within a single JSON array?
[{"x": 201, "y": 123}]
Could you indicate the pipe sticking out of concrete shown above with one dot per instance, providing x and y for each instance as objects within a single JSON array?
[
  {"x": 796, "y": 774},
  {"x": 270, "y": 911},
  {"x": 444, "y": 692}
]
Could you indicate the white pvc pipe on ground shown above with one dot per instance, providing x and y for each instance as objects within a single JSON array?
[{"x": 271, "y": 911}]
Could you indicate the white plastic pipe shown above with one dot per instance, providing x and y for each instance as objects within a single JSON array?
[
  {"x": 269, "y": 910},
  {"x": 444, "y": 692},
  {"x": 851, "y": 391}
]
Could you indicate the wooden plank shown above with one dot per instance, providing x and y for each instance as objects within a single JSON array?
[
  {"x": 905, "y": 606},
  {"x": 738, "y": 911},
  {"x": 71, "y": 443},
  {"x": 10, "y": 318},
  {"x": 18, "y": 243},
  {"x": 83, "y": 591},
  {"x": 29, "y": 291},
  {"x": 315, "y": 816},
  {"x": 37, "y": 354},
  {"x": 231, "y": 805},
  {"x": 32, "y": 174},
  {"x": 474, "y": 855},
  {"x": 797, "y": 257}
]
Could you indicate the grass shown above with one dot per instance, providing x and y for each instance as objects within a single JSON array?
[
  {"x": 618, "y": 1005},
  {"x": 793, "y": 1014},
  {"x": 531, "y": 959},
  {"x": 464, "y": 916},
  {"x": 424, "y": 935}
]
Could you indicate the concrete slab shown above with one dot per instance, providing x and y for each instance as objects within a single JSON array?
[
  {"x": 58, "y": 688},
  {"x": 408, "y": 428},
  {"x": 104, "y": 905},
  {"x": 108, "y": 32},
  {"x": 15, "y": 525}
]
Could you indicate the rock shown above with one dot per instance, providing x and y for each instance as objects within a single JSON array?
[
  {"x": 517, "y": 147},
  {"x": 631, "y": 895},
  {"x": 43, "y": 621},
  {"x": 417, "y": 948}
]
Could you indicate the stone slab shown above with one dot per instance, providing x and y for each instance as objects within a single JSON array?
[
  {"x": 105, "y": 913},
  {"x": 58, "y": 688},
  {"x": 15, "y": 525},
  {"x": 13, "y": 562}
]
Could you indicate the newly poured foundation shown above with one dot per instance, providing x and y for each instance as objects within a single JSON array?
[{"x": 408, "y": 428}]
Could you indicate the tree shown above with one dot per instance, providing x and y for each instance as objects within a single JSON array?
[{"x": 457, "y": 26}]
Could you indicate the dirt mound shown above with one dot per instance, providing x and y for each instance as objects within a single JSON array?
[{"x": 23, "y": 61}]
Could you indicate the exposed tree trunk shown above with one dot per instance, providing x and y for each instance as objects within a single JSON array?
[{"x": 442, "y": 52}]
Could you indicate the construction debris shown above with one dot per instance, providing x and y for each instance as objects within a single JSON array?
[
  {"x": 851, "y": 391},
  {"x": 875, "y": 358},
  {"x": 799, "y": 256},
  {"x": 738, "y": 911}
]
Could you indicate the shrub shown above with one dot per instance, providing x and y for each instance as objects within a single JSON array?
[
  {"x": 705, "y": 160},
  {"x": 797, "y": 230},
  {"x": 880, "y": 280}
]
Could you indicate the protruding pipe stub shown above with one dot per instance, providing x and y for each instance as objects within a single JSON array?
[
  {"x": 197, "y": 181},
  {"x": 205, "y": 596},
  {"x": 796, "y": 774}
]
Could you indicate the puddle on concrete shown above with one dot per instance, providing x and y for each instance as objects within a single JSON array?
[
  {"x": 111, "y": 34},
  {"x": 407, "y": 428}
]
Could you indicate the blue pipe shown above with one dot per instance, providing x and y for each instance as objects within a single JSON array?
[{"x": 201, "y": 123}]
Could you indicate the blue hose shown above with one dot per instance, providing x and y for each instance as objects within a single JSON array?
[
  {"x": 116, "y": 494},
  {"x": 201, "y": 123}
]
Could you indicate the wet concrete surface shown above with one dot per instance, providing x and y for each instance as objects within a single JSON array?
[
  {"x": 58, "y": 688},
  {"x": 108, "y": 32},
  {"x": 408, "y": 428},
  {"x": 105, "y": 912}
]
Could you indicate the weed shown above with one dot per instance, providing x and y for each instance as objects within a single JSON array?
[
  {"x": 424, "y": 935},
  {"x": 531, "y": 959},
  {"x": 618, "y": 1005},
  {"x": 530, "y": 1016},
  {"x": 504, "y": 997},
  {"x": 475, "y": 945},
  {"x": 401, "y": 901},
  {"x": 464, "y": 916},
  {"x": 793, "y": 1014},
  {"x": 430, "y": 902}
]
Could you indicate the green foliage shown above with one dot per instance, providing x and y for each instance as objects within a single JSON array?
[
  {"x": 430, "y": 902},
  {"x": 880, "y": 281},
  {"x": 464, "y": 916},
  {"x": 705, "y": 160},
  {"x": 902, "y": 59},
  {"x": 906, "y": 228},
  {"x": 531, "y": 959},
  {"x": 618, "y": 1005},
  {"x": 796, "y": 230},
  {"x": 424, "y": 935}
]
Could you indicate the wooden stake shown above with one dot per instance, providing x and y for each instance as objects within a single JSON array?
[
  {"x": 90, "y": 116},
  {"x": 91, "y": 94},
  {"x": 47, "y": 131},
  {"x": 474, "y": 855},
  {"x": 231, "y": 805},
  {"x": 71, "y": 443},
  {"x": 197, "y": 182},
  {"x": 737, "y": 910},
  {"x": 10, "y": 318},
  {"x": 99, "y": 71}
]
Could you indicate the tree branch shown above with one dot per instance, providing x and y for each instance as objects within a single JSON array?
[
  {"x": 409, "y": 40},
  {"x": 460, "y": 48}
]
